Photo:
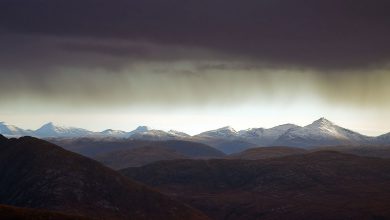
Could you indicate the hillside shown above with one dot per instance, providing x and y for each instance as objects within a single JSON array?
[
  {"x": 365, "y": 151},
  {"x": 38, "y": 174},
  {"x": 151, "y": 151},
  {"x": 138, "y": 157},
  {"x": 16, "y": 213},
  {"x": 94, "y": 147},
  {"x": 320, "y": 185},
  {"x": 227, "y": 146},
  {"x": 266, "y": 152}
]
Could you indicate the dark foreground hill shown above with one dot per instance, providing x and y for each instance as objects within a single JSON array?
[
  {"x": 320, "y": 185},
  {"x": 267, "y": 152},
  {"x": 121, "y": 153},
  {"x": 138, "y": 157},
  {"x": 365, "y": 151},
  {"x": 38, "y": 174},
  {"x": 273, "y": 152},
  {"x": 94, "y": 147},
  {"x": 16, "y": 213}
]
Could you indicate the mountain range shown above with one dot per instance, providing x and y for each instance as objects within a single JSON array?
[
  {"x": 178, "y": 180},
  {"x": 321, "y": 132}
]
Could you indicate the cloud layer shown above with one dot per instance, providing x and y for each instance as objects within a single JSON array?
[{"x": 187, "y": 52}]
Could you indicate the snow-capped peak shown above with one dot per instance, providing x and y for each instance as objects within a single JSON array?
[
  {"x": 11, "y": 130},
  {"x": 178, "y": 133},
  {"x": 227, "y": 128},
  {"x": 221, "y": 132},
  {"x": 52, "y": 130},
  {"x": 50, "y": 126},
  {"x": 321, "y": 132},
  {"x": 325, "y": 126},
  {"x": 114, "y": 133},
  {"x": 140, "y": 129},
  {"x": 322, "y": 122}
]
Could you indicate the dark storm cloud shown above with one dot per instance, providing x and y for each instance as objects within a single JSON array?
[
  {"x": 324, "y": 34},
  {"x": 194, "y": 52}
]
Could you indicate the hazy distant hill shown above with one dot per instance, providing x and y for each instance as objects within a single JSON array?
[
  {"x": 383, "y": 139},
  {"x": 38, "y": 174},
  {"x": 320, "y": 185},
  {"x": 228, "y": 146}
]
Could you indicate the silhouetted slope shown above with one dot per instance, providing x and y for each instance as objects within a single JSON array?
[
  {"x": 320, "y": 185},
  {"x": 227, "y": 146},
  {"x": 38, "y": 174},
  {"x": 191, "y": 149},
  {"x": 149, "y": 152},
  {"x": 365, "y": 151},
  {"x": 16, "y": 213},
  {"x": 267, "y": 152},
  {"x": 93, "y": 147},
  {"x": 3, "y": 139},
  {"x": 138, "y": 157}
]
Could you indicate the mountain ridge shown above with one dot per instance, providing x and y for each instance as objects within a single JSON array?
[{"x": 321, "y": 132}]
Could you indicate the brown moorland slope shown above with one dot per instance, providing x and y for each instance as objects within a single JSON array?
[
  {"x": 319, "y": 185},
  {"x": 16, "y": 213},
  {"x": 266, "y": 152},
  {"x": 38, "y": 174},
  {"x": 138, "y": 157}
]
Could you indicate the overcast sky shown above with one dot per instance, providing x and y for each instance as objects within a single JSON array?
[{"x": 194, "y": 65}]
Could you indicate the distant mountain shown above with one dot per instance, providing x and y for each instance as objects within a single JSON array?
[
  {"x": 158, "y": 135},
  {"x": 12, "y": 130},
  {"x": 267, "y": 152},
  {"x": 113, "y": 133},
  {"x": 265, "y": 137},
  {"x": 38, "y": 174},
  {"x": 322, "y": 185},
  {"x": 146, "y": 133},
  {"x": 52, "y": 130},
  {"x": 179, "y": 133},
  {"x": 320, "y": 133},
  {"x": 383, "y": 139},
  {"x": 230, "y": 141},
  {"x": 225, "y": 132},
  {"x": 139, "y": 129},
  {"x": 225, "y": 139}
]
